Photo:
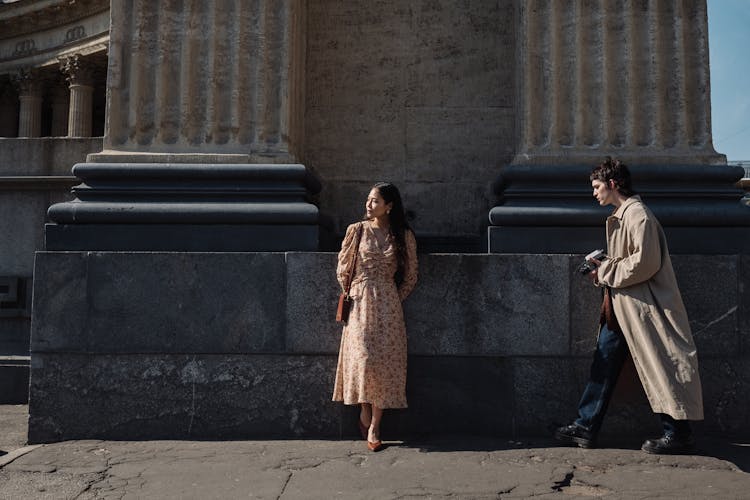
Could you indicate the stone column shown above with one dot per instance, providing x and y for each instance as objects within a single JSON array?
[
  {"x": 30, "y": 103},
  {"x": 240, "y": 92},
  {"x": 204, "y": 126},
  {"x": 623, "y": 77},
  {"x": 626, "y": 78},
  {"x": 79, "y": 74},
  {"x": 60, "y": 99}
]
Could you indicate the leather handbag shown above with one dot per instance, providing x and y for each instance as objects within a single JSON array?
[{"x": 345, "y": 301}]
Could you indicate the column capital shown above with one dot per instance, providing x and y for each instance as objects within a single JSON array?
[
  {"x": 28, "y": 81},
  {"x": 77, "y": 70}
]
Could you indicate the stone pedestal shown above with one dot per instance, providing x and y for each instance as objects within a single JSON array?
[
  {"x": 626, "y": 79},
  {"x": 188, "y": 207},
  {"x": 202, "y": 139},
  {"x": 150, "y": 345}
]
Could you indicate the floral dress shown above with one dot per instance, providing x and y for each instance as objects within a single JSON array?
[{"x": 372, "y": 357}]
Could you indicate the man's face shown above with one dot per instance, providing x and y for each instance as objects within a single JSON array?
[{"x": 604, "y": 192}]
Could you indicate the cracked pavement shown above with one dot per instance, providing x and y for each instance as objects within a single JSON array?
[{"x": 432, "y": 467}]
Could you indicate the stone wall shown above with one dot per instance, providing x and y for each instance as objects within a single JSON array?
[
  {"x": 34, "y": 173},
  {"x": 418, "y": 93},
  {"x": 239, "y": 345}
]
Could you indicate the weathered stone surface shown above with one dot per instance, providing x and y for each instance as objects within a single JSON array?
[
  {"x": 44, "y": 155},
  {"x": 311, "y": 296},
  {"x": 355, "y": 144},
  {"x": 743, "y": 312},
  {"x": 498, "y": 344},
  {"x": 489, "y": 305},
  {"x": 180, "y": 396},
  {"x": 60, "y": 307},
  {"x": 448, "y": 394},
  {"x": 726, "y": 384},
  {"x": 456, "y": 144},
  {"x": 160, "y": 302},
  {"x": 709, "y": 288},
  {"x": 585, "y": 303},
  {"x": 545, "y": 393},
  {"x": 457, "y": 46},
  {"x": 21, "y": 222},
  {"x": 412, "y": 95}
]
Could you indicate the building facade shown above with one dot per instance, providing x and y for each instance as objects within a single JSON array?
[{"x": 181, "y": 284}]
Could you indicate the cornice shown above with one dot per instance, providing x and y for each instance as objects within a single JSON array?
[{"x": 32, "y": 16}]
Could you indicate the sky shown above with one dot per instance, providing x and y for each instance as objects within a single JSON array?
[{"x": 729, "y": 53}]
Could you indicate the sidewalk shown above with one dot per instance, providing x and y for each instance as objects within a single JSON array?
[{"x": 442, "y": 467}]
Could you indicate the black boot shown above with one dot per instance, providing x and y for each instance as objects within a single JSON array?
[
  {"x": 670, "y": 444},
  {"x": 575, "y": 434}
]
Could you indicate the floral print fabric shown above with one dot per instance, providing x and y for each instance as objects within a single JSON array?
[{"x": 372, "y": 357}]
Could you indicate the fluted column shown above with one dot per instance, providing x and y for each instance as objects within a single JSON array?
[
  {"x": 79, "y": 74},
  {"x": 621, "y": 77},
  {"x": 30, "y": 103},
  {"x": 172, "y": 90},
  {"x": 626, "y": 78}
]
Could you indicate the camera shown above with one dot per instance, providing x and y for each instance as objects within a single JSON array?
[{"x": 588, "y": 266}]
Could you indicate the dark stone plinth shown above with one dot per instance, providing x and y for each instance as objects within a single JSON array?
[
  {"x": 148, "y": 345},
  {"x": 159, "y": 302},
  {"x": 550, "y": 209},
  {"x": 181, "y": 237},
  {"x": 188, "y": 207},
  {"x": 181, "y": 396}
]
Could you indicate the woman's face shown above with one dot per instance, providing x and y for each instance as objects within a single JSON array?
[{"x": 376, "y": 205}]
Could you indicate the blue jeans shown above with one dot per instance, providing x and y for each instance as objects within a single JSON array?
[{"x": 610, "y": 355}]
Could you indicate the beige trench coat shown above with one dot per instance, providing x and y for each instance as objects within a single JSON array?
[{"x": 649, "y": 309}]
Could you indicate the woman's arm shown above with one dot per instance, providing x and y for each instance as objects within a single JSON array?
[
  {"x": 346, "y": 255},
  {"x": 410, "y": 266}
]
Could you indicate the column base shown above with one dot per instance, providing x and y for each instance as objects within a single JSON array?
[
  {"x": 550, "y": 209},
  {"x": 687, "y": 240},
  {"x": 187, "y": 207},
  {"x": 181, "y": 237}
]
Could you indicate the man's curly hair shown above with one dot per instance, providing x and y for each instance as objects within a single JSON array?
[{"x": 616, "y": 171}]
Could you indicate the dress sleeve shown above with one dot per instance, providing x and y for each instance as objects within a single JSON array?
[
  {"x": 410, "y": 267},
  {"x": 346, "y": 255},
  {"x": 641, "y": 264}
]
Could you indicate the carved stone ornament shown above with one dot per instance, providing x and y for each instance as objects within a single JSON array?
[{"x": 77, "y": 70}]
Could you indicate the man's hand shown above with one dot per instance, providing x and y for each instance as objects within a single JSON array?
[{"x": 594, "y": 275}]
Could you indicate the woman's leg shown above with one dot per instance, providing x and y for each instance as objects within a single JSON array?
[
  {"x": 377, "y": 415},
  {"x": 365, "y": 414}
]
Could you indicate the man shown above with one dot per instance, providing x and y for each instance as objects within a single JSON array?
[{"x": 643, "y": 313}]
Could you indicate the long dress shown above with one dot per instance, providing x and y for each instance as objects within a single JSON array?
[{"x": 372, "y": 357}]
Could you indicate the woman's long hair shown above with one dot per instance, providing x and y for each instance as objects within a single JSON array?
[{"x": 398, "y": 224}]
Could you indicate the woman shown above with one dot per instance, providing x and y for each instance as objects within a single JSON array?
[{"x": 371, "y": 369}]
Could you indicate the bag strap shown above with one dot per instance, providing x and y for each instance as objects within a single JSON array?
[{"x": 356, "y": 254}]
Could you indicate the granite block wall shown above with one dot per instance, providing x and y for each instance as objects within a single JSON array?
[{"x": 240, "y": 345}]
